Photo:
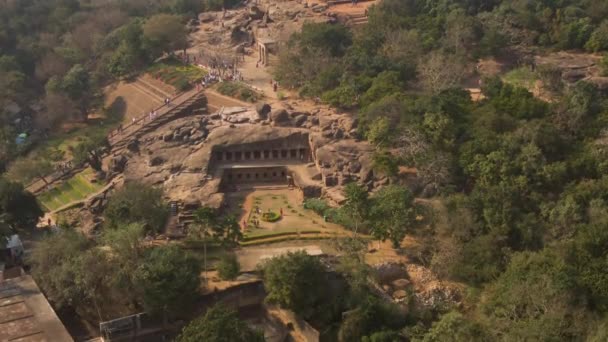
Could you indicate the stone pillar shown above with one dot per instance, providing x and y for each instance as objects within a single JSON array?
[{"x": 259, "y": 52}]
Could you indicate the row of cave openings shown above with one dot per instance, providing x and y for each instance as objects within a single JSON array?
[
  {"x": 228, "y": 156},
  {"x": 248, "y": 176}
]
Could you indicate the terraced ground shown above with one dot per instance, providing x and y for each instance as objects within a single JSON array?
[{"x": 75, "y": 189}]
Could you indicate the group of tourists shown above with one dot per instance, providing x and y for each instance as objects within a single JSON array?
[{"x": 64, "y": 167}]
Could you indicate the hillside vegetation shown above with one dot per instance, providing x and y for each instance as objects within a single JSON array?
[{"x": 524, "y": 181}]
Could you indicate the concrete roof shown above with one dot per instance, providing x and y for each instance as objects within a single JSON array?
[{"x": 26, "y": 315}]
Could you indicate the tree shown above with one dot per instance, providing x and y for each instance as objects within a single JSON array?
[
  {"x": 535, "y": 299},
  {"x": 127, "y": 253},
  {"x": 169, "y": 280},
  {"x": 94, "y": 280},
  {"x": 453, "y": 327},
  {"x": 230, "y": 230},
  {"x": 137, "y": 202},
  {"x": 296, "y": 281},
  {"x": 604, "y": 65},
  {"x": 51, "y": 64},
  {"x": 26, "y": 169},
  {"x": 403, "y": 46},
  {"x": 78, "y": 87},
  {"x": 53, "y": 261},
  {"x": 380, "y": 132},
  {"x": 219, "y": 325},
  {"x": 228, "y": 267},
  {"x": 18, "y": 208},
  {"x": 357, "y": 203},
  {"x": 551, "y": 77},
  {"x": 122, "y": 61},
  {"x": 59, "y": 108},
  {"x": 205, "y": 221},
  {"x": 439, "y": 71},
  {"x": 369, "y": 319},
  {"x": 191, "y": 7},
  {"x": 91, "y": 151},
  {"x": 166, "y": 33},
  {"x": 393, "y": 213}
]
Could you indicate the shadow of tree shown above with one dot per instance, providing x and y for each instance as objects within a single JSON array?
[{"x": 117, "y": 110}]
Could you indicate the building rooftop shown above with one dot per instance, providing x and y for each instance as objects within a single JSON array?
[{"x": 26, "y": 315}]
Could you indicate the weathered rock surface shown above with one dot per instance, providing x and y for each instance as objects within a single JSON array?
[
  {"x": 178, "y": 154},
  {"x": 279, "y": 116}
]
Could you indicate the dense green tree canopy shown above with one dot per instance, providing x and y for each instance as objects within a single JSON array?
[
  {"x": 296, "y": 281},
  {"x": 165, "y": 32},
  {"x": 393, "y": 214},
  {"x": 18, "y": 208},
  {"x": 169, "y": 280},
  {"x": 219, "y": 325},
  {"x": 137, "y": 202}
]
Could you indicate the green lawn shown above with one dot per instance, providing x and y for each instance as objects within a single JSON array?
[
  {"x": 176, "y": 74},
  {"x": 75, "y": 189}
]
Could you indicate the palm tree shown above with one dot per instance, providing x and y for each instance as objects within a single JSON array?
[{"x": 205, "y": 219}]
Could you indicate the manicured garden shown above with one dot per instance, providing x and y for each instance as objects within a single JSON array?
[{"x": 277, "y": 216}]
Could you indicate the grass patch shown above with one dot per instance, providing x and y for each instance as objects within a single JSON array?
[
  {"x": 238, "y": 91},
  {"x": 173, "y": 72},
  {"x": 521, "y": 77},
  {"x": 263, "y": 234},
  {"x": 75, "y": 189},
  {"x": 285, "y": 238}
]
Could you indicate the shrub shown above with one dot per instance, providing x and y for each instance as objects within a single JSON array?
[
  {"x": 228, "y": 267},
  {"x": 182, "y": 84},
  {"x": 237, "y": 90},
  {"x": 271, "y": 216},
  {"x": 317, "y": 205}
]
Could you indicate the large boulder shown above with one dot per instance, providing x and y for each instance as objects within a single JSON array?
[
  {"x": 263, "y": 110},
  {"x": 133, "y": 145},
  {"x": 300, "y": 120},
  {"x": 256, "y": 13},
  {"x": 118, "y": 163},
  {"x": 389, "y": 271},
  {"x": 279, "y": 116},
  {"x": 156, "y": 161}
]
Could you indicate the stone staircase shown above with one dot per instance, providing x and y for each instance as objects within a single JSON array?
[
  {"x": 180, "y": 218},
  {"x": 357, "y": 19},
  {"x": 195, "y": 104}
]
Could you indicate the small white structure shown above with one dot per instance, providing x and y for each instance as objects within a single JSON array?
[{"x": 13, "y": 249}]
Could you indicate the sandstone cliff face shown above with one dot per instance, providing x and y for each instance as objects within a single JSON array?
[{"x": 179, "y": 155}]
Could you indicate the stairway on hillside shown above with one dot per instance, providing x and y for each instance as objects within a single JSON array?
[
  {"x": 180, "y": 218},
  {"x": 357, "y": 19},
  {"x": 195, "y": 104}
]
